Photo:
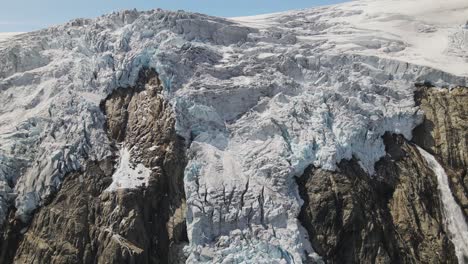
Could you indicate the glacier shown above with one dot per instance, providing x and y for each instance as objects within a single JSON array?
[
  {"x": 6, "y": 35},
  {"x": 258, "y": 99}
]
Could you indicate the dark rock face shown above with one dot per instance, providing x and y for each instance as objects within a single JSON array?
[
  {"x": 444, "y": 134},
  {"x": 344, "y": 219},
  {"x": 84, "y": 223},
  {"x": 395, "y": 216}
]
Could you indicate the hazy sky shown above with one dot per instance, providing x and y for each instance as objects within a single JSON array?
[{"x": 28, "y": 15}]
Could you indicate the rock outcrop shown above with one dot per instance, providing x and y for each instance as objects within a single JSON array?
[
  {"x": 87, "y": 222},
  {"x": 396, "y": 215},
  {"x": 393, "y": 217},
  {"x": 444, "y": 134}
]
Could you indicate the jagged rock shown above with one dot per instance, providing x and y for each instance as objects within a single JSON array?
[
  {"x": 86, "y": 222},
  {"x": 396, "y": 215},
  {"x": 393, "y": 217},
  {"x": 444, "y": 134}
]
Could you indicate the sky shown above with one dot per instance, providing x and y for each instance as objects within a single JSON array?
[{"x": 29, "y": 15}]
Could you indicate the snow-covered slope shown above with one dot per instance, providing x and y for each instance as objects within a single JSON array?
[
  {"x": 258, "y": 99},
  {"x": 7, "y": 35},
  {"x": 424, "y": 32}
]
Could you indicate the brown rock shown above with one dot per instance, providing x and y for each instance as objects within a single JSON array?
[
  {"x": 393, "y": 217},
  {"x": 444, "y": 134},
  {"x": 85, "y": 224}
]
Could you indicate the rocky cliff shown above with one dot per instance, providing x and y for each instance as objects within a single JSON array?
[
  {"x": 444, "y": 133},
  {"x": 88, "y": 222},
  {"x": 395, "y": 216}
]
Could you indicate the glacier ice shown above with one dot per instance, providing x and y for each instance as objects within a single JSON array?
[
  {"x": 258, "y": 99},
  {"x": 6, "y": 35}
]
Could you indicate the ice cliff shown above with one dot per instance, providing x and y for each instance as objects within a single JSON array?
[{"x": 258, "y": 99}]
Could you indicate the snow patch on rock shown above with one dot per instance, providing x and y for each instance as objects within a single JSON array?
[{"x": 128, "y": 175}]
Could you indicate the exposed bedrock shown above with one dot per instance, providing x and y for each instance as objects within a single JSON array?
[
  {"x": 444, "y": 134},
  {"x": 395, "y": 216},
  {"x": 90, "y": 222}
]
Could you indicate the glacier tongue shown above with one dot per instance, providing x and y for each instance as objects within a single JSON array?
[{"x": 257, "y": 99}]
